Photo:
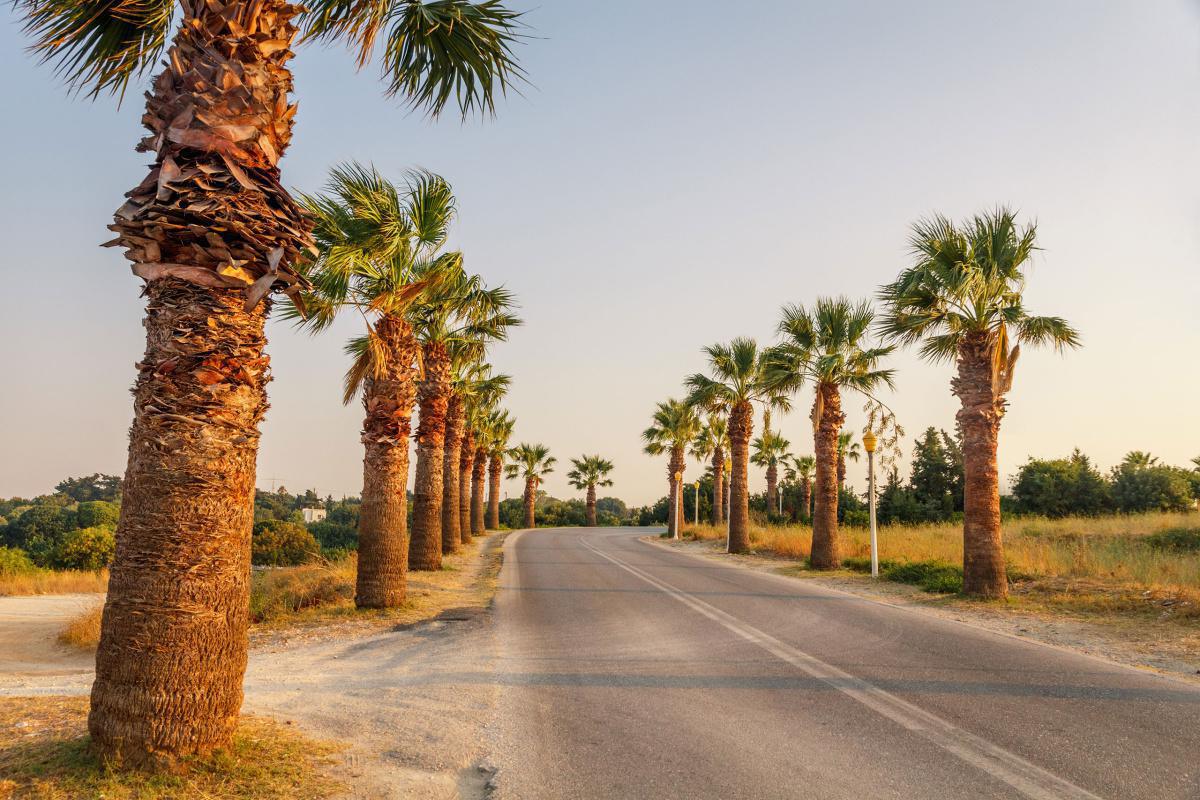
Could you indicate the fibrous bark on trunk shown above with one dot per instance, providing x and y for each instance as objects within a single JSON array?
[
  {"x": 212, "y": 231},
  {"x": 425, "y": 541},
  {"x": 984, "y": 571},
  {"x": 478, "y": 475},
  {"x": 591, "y": 505},
  {"x": 741, "y": 427},
  {"x": 825, "y": 550},
  {"x": 530, "y": 498},
  {"x": 383, "y": 518},
  {"x": 466, "y": 462},
  {"x": 451, "y": 472},
  {"x": 675, "y": 465},
  {"x": 806, "y": 497},
  {"x": 495, "y": 469},
  {"x": 772, "y": 488},
  {"x": 718, "y": 467}
]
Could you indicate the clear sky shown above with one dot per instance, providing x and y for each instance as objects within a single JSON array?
[{"x": 673, "y": 174}]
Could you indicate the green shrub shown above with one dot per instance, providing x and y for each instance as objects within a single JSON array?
[
  {"x": 932, "y": 576},
  {"x": 333, "y": 536},
  {"x": 97, "y": 513},
  {"x": 15, "y": 562},
  {"x": 282, "y": 544},
  {"x": 1180, "y": 539},
  {"x": 85, "y": 548}
]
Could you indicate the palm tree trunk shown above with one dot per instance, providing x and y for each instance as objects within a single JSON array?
[
  {"x": 841, "y": 469},
  {"x": 425, "y": 543},
  {"x": 172, "y": 648},
  {"x": 478, "y": 475},
  {"x": 806, "y": 498},
  {"x": 591, "y": 505},
  {"x": 772, "y": 489},
  {"x": 530, "y": 501},
  {"x": 718, "y": 465},
  {"x": 466, "y": 461},
  {"x": 825, "y": 553},
  {"x": 495, "y": 470},
  {"x": 741, "y": 427},
  {"x": 383, "y": 518},
  {"x": 451, "y": 473},
  {"x": 984, "y": 571},
  {"x": 675, "y": 465}
]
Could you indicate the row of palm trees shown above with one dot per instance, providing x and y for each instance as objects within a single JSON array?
[
  {"x": 961, "y": 300},
  {"x": 214, "y": 234}
]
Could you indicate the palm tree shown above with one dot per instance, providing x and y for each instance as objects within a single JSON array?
[
  {"x": 212, "y": 232},
  {"x": 736, "y": 383},
  {"x": 962, "y": 298},
  {"x": 454, "y": 321},
  {"x": 589, "y": 472},
  {"x": 499, "y": 428},
  {"x": 378, "y": 252},
  {"x": 531, "y": 462},
  {"x": 769, "y": 450},
  {"x": 802, "y": 467},
  {"x": 826, "y": 345},
  {"x": 711, "y": 445},
  {"x": 674, "y": 426},
  {"x": 481, "y": 396},
  {"x": 847, "y": 449}
]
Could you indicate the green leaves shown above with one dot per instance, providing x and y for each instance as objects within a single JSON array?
[
  {"x": 675, "y": 424},
  {"x": 529, "y": 461},
  {"x": 590, "y": 471},
  {"x": 98, "y": 45},
  {"x": 433, "y": 52}
]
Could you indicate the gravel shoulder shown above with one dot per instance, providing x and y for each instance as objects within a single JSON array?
[{"x": 1168, "y": 648}]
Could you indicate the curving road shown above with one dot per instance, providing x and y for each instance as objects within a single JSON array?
[{"x": 632, "y": 671}]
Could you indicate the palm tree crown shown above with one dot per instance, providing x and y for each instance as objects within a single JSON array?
[
  {"x": 529, "y": 461},
  {"x": 675, "y": 424},
  {"x": 737, "y": 376},
  {"x": 770, "y": 449},
  {"x": 590, "y": 471}
]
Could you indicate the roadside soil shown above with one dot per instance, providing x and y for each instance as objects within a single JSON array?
[
  {"x": 1168, "y": 647},
  {"x": 408, "y": 693}
]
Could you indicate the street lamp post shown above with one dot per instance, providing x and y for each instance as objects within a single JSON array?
[
  {"x": 696, "y": 486},
  {"x": 678, "y": 503},
  {"x": 869, "y": 443},
  {"x": 728, "y": 497}
]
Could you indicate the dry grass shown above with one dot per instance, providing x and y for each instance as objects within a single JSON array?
[
  {"x": 44, "y": 581},
  {"x": 1104, "y": 563},
  {"x": 83, "y": 631},
  {"x": 44, "y": 755}
]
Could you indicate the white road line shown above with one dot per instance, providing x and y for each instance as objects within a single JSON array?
[{"x": 1024, "y": 776}]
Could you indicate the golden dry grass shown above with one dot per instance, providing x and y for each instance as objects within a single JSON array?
[
  {"x": 44, "y": 756},
  {"x": 1095, "y": 563},
  {"x": 83, "y": 631},
  {"x": 44, "y": 581}
]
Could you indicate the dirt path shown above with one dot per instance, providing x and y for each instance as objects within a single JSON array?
[{"x": 30, "y": 654}]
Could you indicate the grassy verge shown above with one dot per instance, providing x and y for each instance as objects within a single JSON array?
[
  {"x": 1144, "y": 564},
  {"x": 317, "y": 594},
  {"x": 44, "y": 754},
  {"x": 45, "y": 581}
]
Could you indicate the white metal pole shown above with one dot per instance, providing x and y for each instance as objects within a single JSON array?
[
  {"x": 874, "y": 532},
  {"x": 696, "y": 521}
]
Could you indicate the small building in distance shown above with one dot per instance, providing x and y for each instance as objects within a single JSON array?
[{"x": 313, "y": 514}]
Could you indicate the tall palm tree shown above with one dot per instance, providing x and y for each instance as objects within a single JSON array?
[
  {"x": 827, "y": 345},
  {"x": 769, "y": 449},
  {"x": 378, "y": 253},
  {"x": 212, "y": 232},
  {"x": 480, "y": 397},
  {"x": 587, "y": 473},
  {"x": 674, "y": 425},
  {"x": 962, "y": 298},
  {"x": 454, "y": 321},
  {"x": 499, "y": 430},
  {"x": 802, "y": 467},
  {"x": 737, "y": 382},
  {"x": 532, "y": 462},
  {"x": 464, "y": 370},
  {"x": 848, "y": 449},
  {"x": 711, "y": 444}
]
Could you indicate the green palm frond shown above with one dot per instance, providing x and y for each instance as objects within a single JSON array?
[
  {"x": 590, "y": 471},
  {"x": 433, "y": 52},
  {"x": 530, "y": 461},
  {"x": 98, "y": 46}
]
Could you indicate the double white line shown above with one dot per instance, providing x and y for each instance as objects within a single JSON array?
[{"x": 1027, "y": 778}]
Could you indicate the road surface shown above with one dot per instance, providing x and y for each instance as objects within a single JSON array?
[{"x": 629, "y": 670}]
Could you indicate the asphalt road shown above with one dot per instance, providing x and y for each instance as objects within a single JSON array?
[{"x": 632, "y": 671}]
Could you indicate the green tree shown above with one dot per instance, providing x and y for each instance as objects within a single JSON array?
[
  {"x": 674, "y": 425},
  {"x": 532, "y": 463},
  {"x": 711, "y": 444},
  {"x": 1140, "y": 483},
  {"x": 89, "y": 548},
  {"x": 827, "y": 345},
  {"x": 95, "y": 513},
  {"x": 848, "y": 449},
  {"x": 97, "y": 486},
  {"x": 768, "y": 450},
  {"x": 282, "y": 544},
  {"x": 933, "y": 478},
  {"x": 213, "y": 232},
  {"x": 963, "y": 300},
  {"x": 499, "y": 427},
  {"x": 735, "y": 383},
  {"x": 1060, "y": 487},
  {"x": 587, "y": 473}
]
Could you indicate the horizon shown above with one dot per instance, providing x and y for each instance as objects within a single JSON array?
[{"x": 583, "y": 197}]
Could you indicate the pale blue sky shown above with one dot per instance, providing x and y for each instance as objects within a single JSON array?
[{"x": 675, "y": 172}]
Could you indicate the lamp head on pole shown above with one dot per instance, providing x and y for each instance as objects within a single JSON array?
[
  {"x": 696, "y": 484},
  {"x": 678, "y": 476},
  {"x": 869, "y": 442},
  {"x": 728, "y": 465}
]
